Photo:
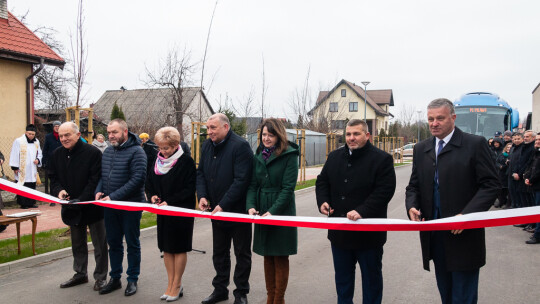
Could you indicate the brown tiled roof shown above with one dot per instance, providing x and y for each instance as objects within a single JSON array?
[
  {"x": 17, "y": 42},
  {"x": 322, "y": 95},
  {"x": 382, "y": 96},
  {"x": 370, "y": 101}
]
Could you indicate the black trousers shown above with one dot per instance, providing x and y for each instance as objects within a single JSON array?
[
  {"x": 24, "y": 201},
  {"x": 240, "y": 235},
  {"x": 79, "y": 248}
]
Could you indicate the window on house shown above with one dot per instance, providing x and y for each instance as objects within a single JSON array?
[
  {"x": 339, "y": 124},
  {"x": 353, "y": 106},
  {"x": 333, "y": 107},
  {"x": 343, "y": 93}
]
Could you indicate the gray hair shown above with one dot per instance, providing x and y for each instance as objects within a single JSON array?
[
  {"x": 121, "y": 122},
  {"x": 356, "y": 122},
  {"x": 72, "y": 125},
  {"x": 442, "y": 102},
  {"x": 222, "y": 118}
]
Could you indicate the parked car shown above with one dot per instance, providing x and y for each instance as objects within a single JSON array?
[{"x": 406, "y": 150}]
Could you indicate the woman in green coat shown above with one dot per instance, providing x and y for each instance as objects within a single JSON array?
[{"x": 271, "y": 192}]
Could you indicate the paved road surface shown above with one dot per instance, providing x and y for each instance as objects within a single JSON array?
[{"x": 510, "y": 276}]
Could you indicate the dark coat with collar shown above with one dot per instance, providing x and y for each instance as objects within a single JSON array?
[
  {"x": 124, "y": 171},
  {"x": 468, "y": 183},
  {"x": 272, "y": 190},
  {"x": 533, "y": 172},
  {"x": 364, "y": 181},
  {"x": 77, "y": 172},
  {"x": 51, "y": 144},
  {"x": 224, "y": 173}
]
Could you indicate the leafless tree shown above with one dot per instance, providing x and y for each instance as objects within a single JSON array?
[
  {"x": 79, "y": 55},
  {"x": 204, "y": 56},
  {"x": 263, "y": 91},
  {"x": 50, "y": 87},
  {"x": 301, "y": 104},
  {"x": 175, "y": 72},
  {"x": 407, "y": 114}
]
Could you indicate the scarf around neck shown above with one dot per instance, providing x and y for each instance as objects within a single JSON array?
[
  {"x": 163, "y": 165},
  {"x": 267, "y": 152}
]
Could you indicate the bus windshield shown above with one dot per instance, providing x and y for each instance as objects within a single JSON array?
[{"x": 482, "y": 120}]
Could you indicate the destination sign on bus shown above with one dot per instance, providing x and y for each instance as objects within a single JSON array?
[{"x": 478, "y": 110}]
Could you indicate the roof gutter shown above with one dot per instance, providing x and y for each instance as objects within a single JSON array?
[{"x": 29, "y": 103}]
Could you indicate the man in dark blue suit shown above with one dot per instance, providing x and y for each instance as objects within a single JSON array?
[{"x": 453, "y": 174}]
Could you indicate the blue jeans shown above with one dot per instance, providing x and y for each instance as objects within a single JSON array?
[
  {"x": 370, "y": 261},
  {"x": 120, "y": 224},
  {"x": 455, "y": 287}
]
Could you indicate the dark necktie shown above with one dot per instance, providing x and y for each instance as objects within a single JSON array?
[{"x": 436, "y": 195}]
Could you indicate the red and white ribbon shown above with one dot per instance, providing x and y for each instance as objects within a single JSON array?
[{"x": 467, "y": 221}]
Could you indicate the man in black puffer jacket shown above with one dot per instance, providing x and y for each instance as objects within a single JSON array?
[{"x": 123, "y": 173}]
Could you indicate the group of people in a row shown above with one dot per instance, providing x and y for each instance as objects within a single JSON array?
[
  {"x": 229, "y": 178},
  {"x": 453, "y": 173},
  {"x": 517, "y": 158}
]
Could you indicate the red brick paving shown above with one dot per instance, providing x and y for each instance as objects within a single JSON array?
[
  {"x": 50, "y": 216},
  {"x": 47, "y": 220}
]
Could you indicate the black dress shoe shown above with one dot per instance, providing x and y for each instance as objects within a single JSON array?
[
  {"x": 532, "y": 240},
  {"x": 99, "y": 285},
  {"x": 113, "y": 285},
  {"x": 214, "y": 298},
  {"x": 240, "y": 300},
  {"x": 76, "y": 280},
  {"x": 131, "y": 289}
]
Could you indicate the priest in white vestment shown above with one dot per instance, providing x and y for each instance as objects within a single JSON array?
[{"x": 24, "y": 160}]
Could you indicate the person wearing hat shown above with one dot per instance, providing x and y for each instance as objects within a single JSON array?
[
  {"x": 52, "y": 141},
  {"x": 507, "y": 137},
  {"x": 24, "y": 160}
]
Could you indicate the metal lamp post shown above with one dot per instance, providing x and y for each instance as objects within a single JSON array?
[{"x": 365, "y": 83}]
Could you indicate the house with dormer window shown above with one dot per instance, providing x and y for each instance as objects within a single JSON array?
[{"x": 348, "y": 101}]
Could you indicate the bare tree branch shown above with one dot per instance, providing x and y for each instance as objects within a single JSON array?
[
  {"x": 204, "y": 56},
  {"x": 175, "y": 72},
  {"x": 79, "y": 55}
]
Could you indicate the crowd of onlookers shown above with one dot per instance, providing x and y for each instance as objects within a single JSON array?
[{"x": 516, "y": 156}]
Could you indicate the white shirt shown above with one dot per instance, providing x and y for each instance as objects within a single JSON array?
[{"x": 445, "y": 141}]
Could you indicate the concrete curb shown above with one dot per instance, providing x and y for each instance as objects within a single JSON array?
[{"x": 45, "y": 258}]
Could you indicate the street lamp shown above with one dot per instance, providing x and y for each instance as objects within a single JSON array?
[
  {"x": 365, "y": 83},
  {"x": 418, "y": 125}
]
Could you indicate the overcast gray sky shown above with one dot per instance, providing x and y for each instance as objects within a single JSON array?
[{"x": 420, "y": 49}]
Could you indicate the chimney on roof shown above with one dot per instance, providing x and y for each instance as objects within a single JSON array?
[{"x": 3, "y": 9}]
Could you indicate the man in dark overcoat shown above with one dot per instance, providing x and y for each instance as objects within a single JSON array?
[
  {"x": 357, "y": 181},
  {"x": 452, "y": 174},
  {"x": 223, "y": 178},
  {"x": 52, "y": 142},
  {"x": 75, "y": 169}
]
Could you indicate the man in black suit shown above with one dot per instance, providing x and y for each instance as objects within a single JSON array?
[
  {"x": 223, "y": 178},
  {"x": 453, "y": 174}
]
